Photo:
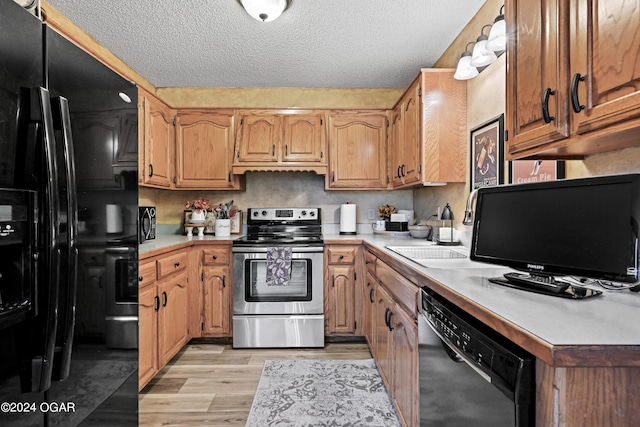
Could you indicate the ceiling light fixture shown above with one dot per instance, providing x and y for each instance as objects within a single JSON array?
[
  {"x": 464, "y": 70},
  {"x": 497, "y": 41},
  {"x": 481, "y": 55},
  {"x": 265, "y": 10}
]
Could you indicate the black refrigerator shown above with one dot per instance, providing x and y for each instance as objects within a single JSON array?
[{"x": 68, "y": 188}]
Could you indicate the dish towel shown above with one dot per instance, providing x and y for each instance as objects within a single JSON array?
[{"x": 278, "y": 266}]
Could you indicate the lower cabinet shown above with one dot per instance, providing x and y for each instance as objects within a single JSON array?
[
  {"x": 340, "y": 289},
  {"x": 163, "y": 311},
  {"x": 391, "y": 330},
  {"x": 216, "y": 292}
]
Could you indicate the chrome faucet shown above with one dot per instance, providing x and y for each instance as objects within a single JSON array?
[{"x": 468, "y": 213}]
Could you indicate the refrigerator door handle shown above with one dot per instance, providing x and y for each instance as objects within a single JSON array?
[
  {"x": 42, "y": 365},
  {"x": 69, "y": 261}
]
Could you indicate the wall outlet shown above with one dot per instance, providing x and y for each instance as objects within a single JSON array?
[{"x": 371, "y": 214}]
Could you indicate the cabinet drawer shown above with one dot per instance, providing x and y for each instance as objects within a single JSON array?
[
  {"x": 215, "y": 256},
  {"x": 171, "y": 263},
  {"x": 341, "y": 254},
  {"x": 146, "y": 273},
  {"x": 404, "y": 292}
]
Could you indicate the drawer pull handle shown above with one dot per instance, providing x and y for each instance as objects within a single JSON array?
[
  {"x": 150, "y": 170},
  {"x": 545, "y": 105},
  {"x": 164, "y": 295},
  {"x": 371, "y": 296},
  {"x": 157, "y": 302},
  {"x": 575, "y": 102}
]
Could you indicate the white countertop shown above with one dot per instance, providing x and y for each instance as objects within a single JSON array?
[{"x": 608, "y": 319}]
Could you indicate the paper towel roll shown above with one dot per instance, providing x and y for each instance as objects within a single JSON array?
[
  {"x": 348, "y": 219},
  {"x": 114, "y": 219}
]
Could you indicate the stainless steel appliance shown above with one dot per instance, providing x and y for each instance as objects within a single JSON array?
[
  {"x": 469, "y": 374},
  {"x": 121, "y": 294},
  {"x": 267, "y": 313},
  {"x": 63, "y": 137},
  {"x": 146, "y": 223}
]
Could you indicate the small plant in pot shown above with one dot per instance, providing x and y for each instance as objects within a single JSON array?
[{"x": 199, "y": 208}]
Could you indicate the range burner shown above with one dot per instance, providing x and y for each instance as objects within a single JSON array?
[{"x": 280, "y": 226}]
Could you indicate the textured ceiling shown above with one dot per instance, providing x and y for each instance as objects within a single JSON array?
[{"x": 315, "y": 43}]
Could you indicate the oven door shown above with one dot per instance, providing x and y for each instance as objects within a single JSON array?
[{"x": 303, "y": 294}]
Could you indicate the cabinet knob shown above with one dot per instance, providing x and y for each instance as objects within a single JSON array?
[
  {"x": 140, "y": 278},
  {"x": 341, "y": 257},
  {"x": 176, "y": 265},
  {"x": 215, "y": 257}
]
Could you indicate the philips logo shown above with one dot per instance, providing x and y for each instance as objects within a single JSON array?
[{"x": 535, "y": 266}]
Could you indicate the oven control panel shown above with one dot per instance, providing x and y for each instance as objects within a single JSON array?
[{"x": 284, "y": 214}]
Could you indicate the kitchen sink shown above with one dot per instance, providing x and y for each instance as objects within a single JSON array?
[
  {"x": 430, "y": 252},
  {"x": 437, "y": 257}
]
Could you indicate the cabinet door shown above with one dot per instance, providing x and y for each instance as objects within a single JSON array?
[
  {"x": 158, "y": 143},
  {"x": 405, "y": 365},
  {"x": 148, "y": 305},
  {"x": 357, "y": 151},
  {"x": 537, "y": 57},
  {"x": 340, "y": 304},
  {"x": 369, "y": 308},
  {"x": 259, "y": 137},
  {"x": 172, "y": 316},
  {"x": 304, "y": 138},
  {"x": 396, "y": 149},
  {"x": 384, "y": 343},
  {"x": 204, "y": 149},
  {"x": 410, "y": 166},
  {"x": 604, "y": 51},
  {"x": 217, "y": 301}
]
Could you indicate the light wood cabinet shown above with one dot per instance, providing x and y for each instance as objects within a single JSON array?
[
  {"x": 163, "y": 311},
  {"x": 341, "y": 288},
  {"x": 280, "y": 140},
  {"x": 357, "y": 150},
  {"x": 157, "y": 145},
  {"x": 393, "y": 334},
  {"x": 216, "y": 291},
  {"x": 406, "y": 142},
  {"x": 204, "y": 150},
  {"x": 586, "y": 98}
]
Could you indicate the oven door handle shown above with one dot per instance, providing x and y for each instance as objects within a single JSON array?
[{"x": 461, "y": 357}]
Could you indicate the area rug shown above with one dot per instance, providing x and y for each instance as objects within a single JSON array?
[{"x": 316, "y": 393}]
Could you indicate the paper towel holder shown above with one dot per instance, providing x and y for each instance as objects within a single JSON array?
[{"x": 348, "y": 222}]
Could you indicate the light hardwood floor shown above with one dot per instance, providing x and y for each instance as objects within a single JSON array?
[{"x": 213, "y": 384}]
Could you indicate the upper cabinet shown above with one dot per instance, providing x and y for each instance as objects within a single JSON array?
[
  {"x": 156, "y": 151},
  {"x": 204, "y": 150},
  {"x": 280, "y": 140},
  {"x": 572, "y": 82},
  {"x": 429, "y": 131},
  {"x": 357, "y": 150}
]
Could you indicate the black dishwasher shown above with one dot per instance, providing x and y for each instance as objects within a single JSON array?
[{"x": 469, "y": 374}]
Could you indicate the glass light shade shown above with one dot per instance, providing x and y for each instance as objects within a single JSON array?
[
  {"x": 497, "y": 41},
  {"x": 264, "y": 10},
  {"x": 481, "y": 55},
  {"x": 465, "y": 71}
]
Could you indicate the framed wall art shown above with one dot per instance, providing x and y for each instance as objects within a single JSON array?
[
  {"x": 487, "y": 154},
  {"x": 525, "y": 171}
]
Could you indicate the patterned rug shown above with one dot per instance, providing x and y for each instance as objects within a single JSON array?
[{"x": 314, "y": 393}]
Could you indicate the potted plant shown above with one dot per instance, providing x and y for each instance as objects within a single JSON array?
[{"x": 199, "y": 208}]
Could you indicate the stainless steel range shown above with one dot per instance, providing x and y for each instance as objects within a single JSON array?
[{"x": 278, "y": 279}]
